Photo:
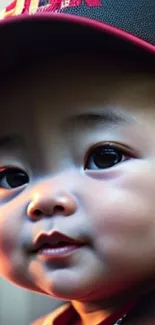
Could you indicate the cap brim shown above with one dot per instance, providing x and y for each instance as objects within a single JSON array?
[{"x": 24, "y": 36}]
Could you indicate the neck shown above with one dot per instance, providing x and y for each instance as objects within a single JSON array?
[
  {"x": 93, "y": 312},
  {"x": 89, "y": 314}
]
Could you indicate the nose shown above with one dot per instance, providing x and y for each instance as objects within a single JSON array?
[{"x": 48, "y": 203}]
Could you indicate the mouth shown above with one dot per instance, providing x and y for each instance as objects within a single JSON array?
[{"x": 55, "y": 245}]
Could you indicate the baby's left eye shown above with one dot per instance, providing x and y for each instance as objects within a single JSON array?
[
  {"x": 12, "y": 178},
  {"x": 104, "y": 157}
]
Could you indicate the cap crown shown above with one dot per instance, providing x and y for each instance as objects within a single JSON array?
[{"x": 136, "y": 17}]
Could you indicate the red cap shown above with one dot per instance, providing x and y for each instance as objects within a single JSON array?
[{"x": 30, "y": 26}]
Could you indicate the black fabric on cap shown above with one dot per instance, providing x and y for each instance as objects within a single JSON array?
[{"x": 133, "y": 16}]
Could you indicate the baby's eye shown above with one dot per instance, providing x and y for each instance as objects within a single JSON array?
[
  {"x": 12, "y": 178},
  {"x": 104, "y": 156}
]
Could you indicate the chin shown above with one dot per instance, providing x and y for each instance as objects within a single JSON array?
[
  {"x": 71, "y": 289},
  {"x": 64, "y": 292},
  {"x": 70, "y": 283}
]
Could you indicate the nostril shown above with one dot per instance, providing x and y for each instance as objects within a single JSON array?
[
  {"x": 38, "y": 213},
  {"x": 42, "y": 207},
  {"x": 58, "y": 209}
]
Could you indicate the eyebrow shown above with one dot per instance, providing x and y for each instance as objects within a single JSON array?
[
  {"x": 105, "y": 118},
  {"x": 13, "y": 141}
]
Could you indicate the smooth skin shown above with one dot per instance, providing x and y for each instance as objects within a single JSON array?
[{"x": 78, "y": 145}]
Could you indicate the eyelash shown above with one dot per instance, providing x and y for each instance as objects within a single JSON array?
[
  {"x": 98, "y": 157},
  {"x": 124, "y": 151},
  {"x": 8, "y": 171}
]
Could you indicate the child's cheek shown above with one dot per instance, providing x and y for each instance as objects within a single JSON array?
[
  {"x": 11, "y": 221},
  {"x": 130, "y": 202},
  {"x": 124, "y": 223}
]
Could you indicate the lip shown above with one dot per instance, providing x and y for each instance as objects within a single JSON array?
[
  {"x": 55, "y": 245},
  {"x": 57, "y": 252}
]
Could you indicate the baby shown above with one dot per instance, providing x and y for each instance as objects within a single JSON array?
[{"x": 77, "y": 157}]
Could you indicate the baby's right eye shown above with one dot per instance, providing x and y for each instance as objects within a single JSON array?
[{"x": 12, "y": 177}]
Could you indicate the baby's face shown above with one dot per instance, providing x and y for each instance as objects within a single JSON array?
[{"x": 77, "y": 147}]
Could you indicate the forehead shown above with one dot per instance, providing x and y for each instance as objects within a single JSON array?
[{"x": 63, "y": 86}]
